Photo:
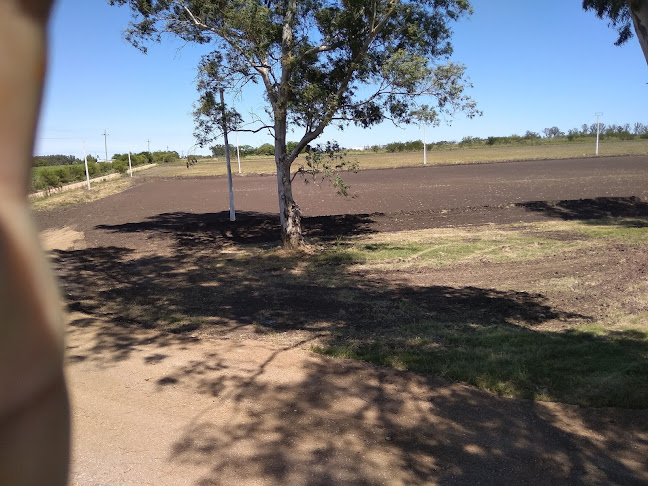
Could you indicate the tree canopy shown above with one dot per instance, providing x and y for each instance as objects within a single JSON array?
[
  {"x": 623, "y": 15},
  {"x": 321, "y": 62}
]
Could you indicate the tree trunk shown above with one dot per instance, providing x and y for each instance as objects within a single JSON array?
[
  {"x": 289, "y": 213},
  {"x": 640, "y": 21}
]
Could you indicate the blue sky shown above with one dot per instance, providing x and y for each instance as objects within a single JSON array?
[{"x": 533, "y": 65}]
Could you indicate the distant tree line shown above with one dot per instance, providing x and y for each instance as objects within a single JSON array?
[
  {"x": 49, "y": 160},
  {"x": 120, "y": 161},
  {"x": 549, "y": 135},
  {"x": 248, "y": 150}
]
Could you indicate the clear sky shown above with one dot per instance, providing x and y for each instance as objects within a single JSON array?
[{"x": 533, "y": 65}]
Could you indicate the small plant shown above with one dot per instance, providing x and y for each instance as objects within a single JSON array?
[{"x": 326, "y": 162}]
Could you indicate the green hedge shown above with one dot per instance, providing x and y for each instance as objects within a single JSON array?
[{"x": 53, "y": 177}]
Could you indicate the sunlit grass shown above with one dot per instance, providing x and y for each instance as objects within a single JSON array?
[
  {"x": 99, "y": 190},
  {"x": 598, "y": 363},
  {"x": 371, "y": 160},
  {"x": 586, "y": 365}
]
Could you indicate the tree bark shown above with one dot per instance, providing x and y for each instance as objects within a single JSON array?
[
  {"x": 289, "y": 213},
  {"x": 640, "y": 21}
]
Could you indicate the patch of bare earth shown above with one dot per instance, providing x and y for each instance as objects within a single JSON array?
[{"x": 588, "y": 284}]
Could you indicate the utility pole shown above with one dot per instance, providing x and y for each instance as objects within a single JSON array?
[
  {"x": 105, "y": 134},
  {"x": 598, "y": 117},
  {"x": 424, "y": 147},
  {"x": 238, "y": 154},
  {"x": 227, "y": 159}
]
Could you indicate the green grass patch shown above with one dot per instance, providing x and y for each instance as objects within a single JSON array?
[
  {"x": 493, "y": 339},
  {"x": 626, "y": 229},
  {"x": 443, "y": 250},
  {"x": 447, "y": 247},
  {"x": 583, "y": 366}
]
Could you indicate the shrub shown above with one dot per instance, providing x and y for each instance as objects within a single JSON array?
[{"x": 120, "y": 166}]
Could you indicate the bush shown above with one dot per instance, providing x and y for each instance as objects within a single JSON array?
[
  {"x": 50, "y": 178},
  {"x": 411, "y": 146},
  {"x": 120, "y": 166}
]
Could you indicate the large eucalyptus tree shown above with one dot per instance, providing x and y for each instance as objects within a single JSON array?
[{"x": 321, "y": 62}]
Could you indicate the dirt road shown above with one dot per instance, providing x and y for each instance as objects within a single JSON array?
[
  {"x": 172, "y": 409},
  {"x": 159, "y": 410}
]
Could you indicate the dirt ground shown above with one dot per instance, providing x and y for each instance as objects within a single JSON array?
[{"x": 235, "y": 406}]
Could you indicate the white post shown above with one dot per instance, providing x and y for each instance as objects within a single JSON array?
[
  {"x": 85, "y": 161},
  {"x": 105, "y": 134},
  {"x": 227, "y": 159},
  {"x": 130, "y": 167},
  {"x": 238, "y": 155},
  {"x": 598, "y": 116},
  {"x": 424, "y": 148}
]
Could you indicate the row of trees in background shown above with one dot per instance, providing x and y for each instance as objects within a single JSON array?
[
  {"x": 549, "y": 136},
  {"x": 50, "y": 160},
  {"x": 622, "y": 132},
  {"x": 120, "y": 161},
  {"x": 248, "y": 150}
]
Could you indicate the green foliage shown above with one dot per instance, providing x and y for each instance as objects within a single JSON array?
[
  {"x": 265, "y": 149},
  {"x": 411, "y": 146},
  {"x": 162, "y": 157},
  {"x": 46, "y": 178},
  {"x": 554, "y": 134},
  {"x": 578, "y": 367},
  {"x": 50, "y": 160},
  {"x": 469, "y": 141},
  {"x": 120, "y": 166},
  {"x": 210, "y": 116},
  {"x": 617, "y": 12},
  {"x": 326, "y": 162},
  {"x": 217, "y": 150}
]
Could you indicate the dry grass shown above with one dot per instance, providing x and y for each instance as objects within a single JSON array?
[
  {"x": 215, "y": 167},
  {"x": 81, "y": 195},
  {"x": 452, "y": 156},
  {"x": 499, "y": 154}
]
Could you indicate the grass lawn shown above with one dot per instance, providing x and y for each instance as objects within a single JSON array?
[{"x": 81, "y": 195}]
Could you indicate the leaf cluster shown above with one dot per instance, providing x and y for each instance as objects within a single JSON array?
[
  {"x": 618, "y": 12},
  {"x": 326, "y": 162}
]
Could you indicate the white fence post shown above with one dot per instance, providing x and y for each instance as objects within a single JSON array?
[{"x": 85, "y": 161}]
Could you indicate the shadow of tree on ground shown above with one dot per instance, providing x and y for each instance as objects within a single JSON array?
[
  {"x": 287, "y": 418},
  {"x": 600, "y": 208},
  {"x": 349, "y": 423},
  {"x": 214, "y": 282},
  {"x": 251, "y": 228}
]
